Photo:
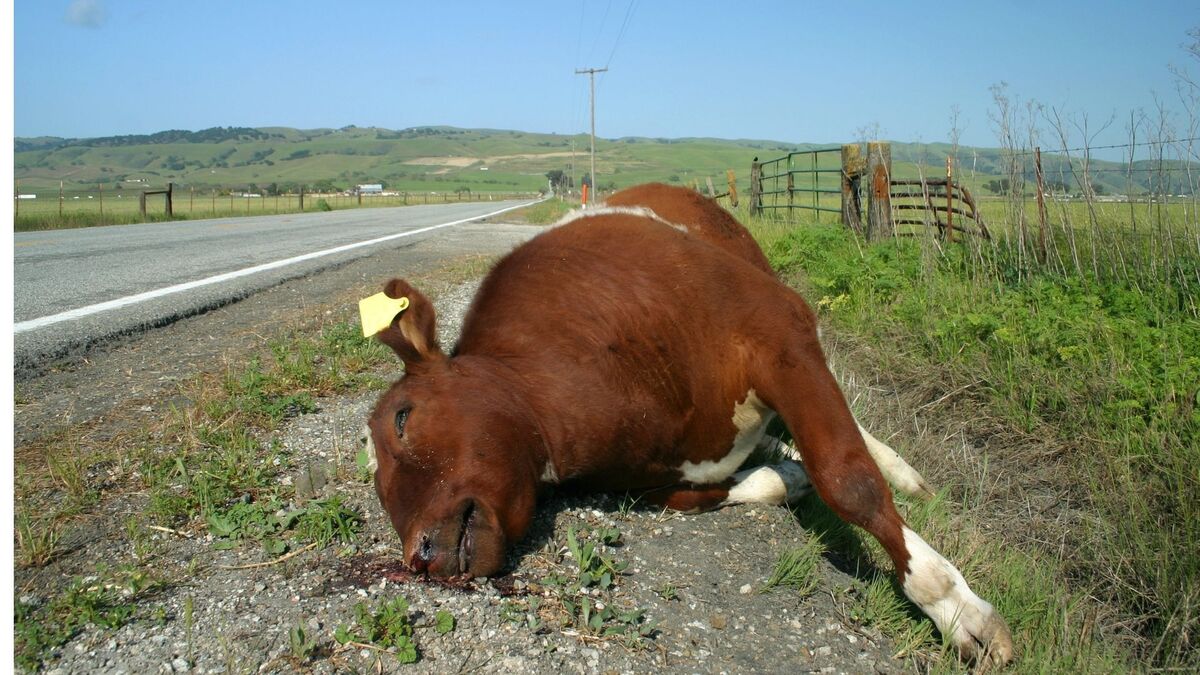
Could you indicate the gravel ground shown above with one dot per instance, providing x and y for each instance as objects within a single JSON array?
[{"x": 699, "y": 579}]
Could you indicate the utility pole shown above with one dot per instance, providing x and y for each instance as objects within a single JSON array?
[{"x": 591, "y": 73}]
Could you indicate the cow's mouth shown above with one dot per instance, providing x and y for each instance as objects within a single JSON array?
[{"x": 466, "y": 538}]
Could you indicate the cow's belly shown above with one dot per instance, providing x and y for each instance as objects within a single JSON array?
[{"x": 750, "y": 418}]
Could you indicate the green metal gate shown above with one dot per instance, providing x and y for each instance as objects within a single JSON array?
[{"x": 798, "y": 180}]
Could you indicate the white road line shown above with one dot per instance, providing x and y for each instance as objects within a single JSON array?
[{"x": 34, "y": 324}]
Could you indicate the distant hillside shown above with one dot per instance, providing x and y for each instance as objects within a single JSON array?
[{"x": 438, "y": 158}]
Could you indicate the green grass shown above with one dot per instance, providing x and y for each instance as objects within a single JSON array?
[
  {"x": 1102, "y": 362},
  {"x": 107, "y": 600},
  {"x": 44, "y": 215},
  {"x": 217, "y": 457},
  {"x": 798, "y": 568}
]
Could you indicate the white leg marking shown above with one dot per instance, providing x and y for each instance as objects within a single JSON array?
[
  {"x": 894, "y": 468},
  {"x": 776, "y": 485},
  {"x": 890, "y": 463},
  {"x": 369, "y": 446},
  {"x": 549, "y": 475},
  {"x": 938, "y": 588},
  {"x": 751, "y": 418}
]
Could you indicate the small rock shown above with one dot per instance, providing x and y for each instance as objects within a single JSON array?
[
  {"x": 180, "y": 665},
  {"x": 745, "y": 590},
  {"x": 260, "y": 587},
  {"x": 717, "y": 621}
]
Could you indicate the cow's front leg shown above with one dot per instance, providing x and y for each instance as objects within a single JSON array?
[{"x": 798, "y": 385}]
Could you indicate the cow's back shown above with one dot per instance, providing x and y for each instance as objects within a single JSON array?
[
  {"x": 701, "y": 216},
  {"x": 627, "y": 333}
]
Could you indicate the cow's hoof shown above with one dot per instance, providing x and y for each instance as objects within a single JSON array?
[{"x": 986, "y": 640}]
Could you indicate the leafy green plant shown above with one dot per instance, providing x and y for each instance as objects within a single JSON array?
[
  {"x": 594, "y": 568},
  {"x": 105, "y": 600},
  {"x": 388, "y": 627},
  {"x": 667, "y": 591},
  {"x": 320, "y": 521},
  {"x": 604, "y": 620},
  {"x": 443, "y": 622},
  {"x": 302, "y": 645}
]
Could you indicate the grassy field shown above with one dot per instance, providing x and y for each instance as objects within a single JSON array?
[
  {"x": 426, "y": 160},
  {"x": 123, "y": 207},
  {"x": 1081, "y": 374}
]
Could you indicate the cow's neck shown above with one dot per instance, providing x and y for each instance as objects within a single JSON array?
[{"x": 523, "y": 415}]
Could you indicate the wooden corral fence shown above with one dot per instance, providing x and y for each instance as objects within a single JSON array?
[
  {"x": 169, "y": 193},
  {"x": 936, "y": 202},
  {"x": 798, "y": 181}
]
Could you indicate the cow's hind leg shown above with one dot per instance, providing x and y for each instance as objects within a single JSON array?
[
  {"x": 797, "y": 384},
  {"x": 773, "y": 484}
]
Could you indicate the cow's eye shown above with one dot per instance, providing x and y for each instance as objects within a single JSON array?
[{"x": 401, "y": 419}]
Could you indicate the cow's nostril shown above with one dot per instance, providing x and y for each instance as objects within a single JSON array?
[{"x": 422, "y": 555}]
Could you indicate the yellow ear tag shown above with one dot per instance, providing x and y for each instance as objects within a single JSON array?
[{"x": 378, "y": 311}]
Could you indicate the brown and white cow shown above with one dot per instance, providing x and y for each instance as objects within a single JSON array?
[{"x": 641, "y": 346}]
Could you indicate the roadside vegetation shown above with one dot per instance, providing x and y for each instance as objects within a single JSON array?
[
  {"x": 1082, "y": 370},
  {"x": 210, "y": 465}
]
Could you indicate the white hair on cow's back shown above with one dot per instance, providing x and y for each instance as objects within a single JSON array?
[{"x": 640, "y": 211}]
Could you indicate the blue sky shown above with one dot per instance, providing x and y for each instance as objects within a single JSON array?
[{"x": 789, "y": 71}]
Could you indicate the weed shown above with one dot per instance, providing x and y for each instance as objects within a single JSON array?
[
  {"x": 627, "y": 504},
  {"x": 799, "y": 567},
  {"x": 594, "y": 568},
  {"x": 37, "y": 540},
  {"x": 389, "y": 627},
  {"x": 603, "y": 620},
  {"x": 667, "y": 592},
  {"x": 320, "y": 521},
  {"x": 443, "y": 622},
  {"x": 324, "y": 521},
  {"x": 1107, "y": 355},
  {"x": 301, "y": 645},
  {"x": 70, "y": 472},
  {"x": 105, "y": 603}
]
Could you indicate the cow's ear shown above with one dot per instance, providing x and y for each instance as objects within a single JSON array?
[{"x": 413, "y": 333}]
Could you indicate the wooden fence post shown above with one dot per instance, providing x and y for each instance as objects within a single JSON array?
[
  {"x": 142, "y": 204},
  {"x": 1041, "y": 202},
  {"x": 852, "y": 171},
  {"x": 949, "y": 199},
  {"x": 879, "y": 168},
  {"x": 301, "y": 197},
  {"x": 755, "y": 188},
  {"x": 732, "y": 180},
  {"x": 60, "y": 199},
  {"x": 170, "y": 200},
  {"x": 102, "y": 201}
]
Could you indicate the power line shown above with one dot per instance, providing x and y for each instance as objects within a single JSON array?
[{"x": 621, "y": 33}]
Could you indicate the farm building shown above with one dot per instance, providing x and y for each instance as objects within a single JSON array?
[{"x": 370, "y": 189}]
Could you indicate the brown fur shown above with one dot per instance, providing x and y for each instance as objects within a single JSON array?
[{"x": 614, "y": 347}]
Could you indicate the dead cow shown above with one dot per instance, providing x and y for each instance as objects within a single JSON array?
[{"x": 642, "y": 346}]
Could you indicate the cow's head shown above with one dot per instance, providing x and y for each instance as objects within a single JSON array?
[{"x": 455, "y": 472}]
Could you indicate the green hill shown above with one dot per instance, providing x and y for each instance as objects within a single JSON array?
[{"x": 442, "y": 159}]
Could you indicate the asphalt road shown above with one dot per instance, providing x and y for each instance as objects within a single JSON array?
[{"x": 78, "y": 288}]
